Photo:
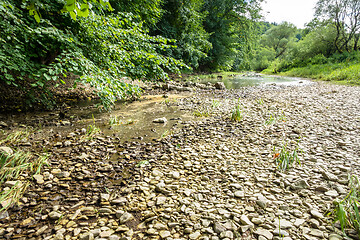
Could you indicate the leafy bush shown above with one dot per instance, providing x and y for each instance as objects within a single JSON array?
[{"x": 99, "y": 50}]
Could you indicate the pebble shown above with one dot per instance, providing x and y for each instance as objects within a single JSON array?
[
  {"x": 39, "y": 178},
  {"x": 125, "y": 218}
]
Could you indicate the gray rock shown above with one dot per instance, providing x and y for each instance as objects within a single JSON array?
[
  {"x": 114, "y": 237},
  {"x": 329, "y": 176},
  {"x": 316, "y": 214},
  {"x": 334, "y": 236},
  {"x": 300, "y": 184},
  {"x": 280, "y": 233},
  {"x": 6, "y": 151},
  {"x": 125, "y": 217},
  {"x": 227, "y": 234},
  {"x": 263, "y": 232},
  {"x": 316, "y": 233},
  {"x": 160, "y": 200},
  {"x": 39, "y": 178},
  {"x": 220, "y": 86},
  {"x": 283, "y": 224},
  {"x": 54, "y": 215},
  {"x": 3, "y": 124},
  {"x": 195, "y": 235},
  {"x": 332, "y": 193},
  {"x": 160, "y": 120},
  {"x": 11, "y": 184},
  {"x": 218, "y": 227},
  {"x": 246, "y": 221},
  {"x": 164, "y": 234},
  {"x": 86, "y": 236},
  {"x": 239, "y": 194}
]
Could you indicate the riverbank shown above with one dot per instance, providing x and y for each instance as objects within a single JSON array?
[
  {"x": 207, "y": 178},
  {"x": 347, "y": 73}
]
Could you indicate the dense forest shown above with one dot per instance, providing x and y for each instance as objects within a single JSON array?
[{"x": 47, "y": 43}]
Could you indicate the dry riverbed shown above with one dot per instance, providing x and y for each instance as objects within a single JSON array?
[{"x": 206, "y": 178}]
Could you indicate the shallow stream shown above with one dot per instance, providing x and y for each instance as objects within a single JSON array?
[
  {"x": 135, "y": 121},
  {"x": 248, "y": 80}
]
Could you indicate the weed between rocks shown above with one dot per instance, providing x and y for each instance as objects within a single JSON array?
[
  {"x": 286, "y": 158},
  {"x": 347, "y": 210},
  {"x": 11, "y": 168},
  {"x": 236, "y": 114}
]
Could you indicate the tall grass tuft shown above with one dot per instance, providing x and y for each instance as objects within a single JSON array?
[
  {"x": 11, "y": 168},
  {"x": 236, "y": 114},
  {"x": 347, "y": 210},
  {"x": 285, "y": 158},
  {"x": 16, "y": 137}
]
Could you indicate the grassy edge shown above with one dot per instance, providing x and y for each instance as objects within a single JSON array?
[{"x": 341, "y": 73}]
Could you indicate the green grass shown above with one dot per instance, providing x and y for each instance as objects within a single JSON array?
[
  {"x": 285, "y": 158},
  {"x": 215, "y": 103},
  {"x": 270, "y": 121},
  {"x": 201, "y": 113},
  {"x": 11, "y": 168},
  {"x": 16, "y": 137},
  {"x": 346, "y": 72},
  {"x": 347, "y": 210},
  {"x": 260, "y": 101},
  {"x": 236, "y": 114},
  {"x": 273, "y": 119},
  {"x": 113, "y": 120},
  {"x": 92, "y": 130}
]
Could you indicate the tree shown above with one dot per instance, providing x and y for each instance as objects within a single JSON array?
[
  {"x": 229, "y": 23},
  {"x": 183, "y": 21},
  {"x": 345, "y": 15},
  {"x": 100, "y": 49},
  {"x": 278, "y": 38},
  {"x": 149, "y": 11}
]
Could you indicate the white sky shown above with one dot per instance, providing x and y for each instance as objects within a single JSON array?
[{"x": 297, "y": 12}]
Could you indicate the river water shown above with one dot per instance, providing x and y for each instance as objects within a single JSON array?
[
  {"x": 248, "y": 80},
  {"x": 135, "y": 121}
]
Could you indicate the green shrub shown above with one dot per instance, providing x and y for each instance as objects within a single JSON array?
[{"x": 100, "y": 50}]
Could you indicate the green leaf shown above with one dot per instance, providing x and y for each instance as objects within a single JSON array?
[
  {"x": 73, "y": 15},
  {"x": 70, "y": 5},
  {"x": 84, "y": 10},
  {"x": 37, "y": 16},
  {"x": 47, "y": 77},
  {"x": 341, "y": 216}
]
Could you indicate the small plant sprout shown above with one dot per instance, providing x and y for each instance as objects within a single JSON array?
[
  {"x": 285, "y": 158},
  {"x": 347, "y": 210},
  {"x": 260, "y": 101},
  {"x": 92, "y": 130},
  {"x": 236, "y": 114},
  {"x": 199, "y": 113},
  {"x": 270, "y": 121},
  {"x": 165, "y": 134},
  {"x": 215, "y": 103},
  {"x": 114, "y": 121},
  {"x": 142, "y": 163},
  {"x": 282, "y": 117},
  {"x": 166, "y": 101}
]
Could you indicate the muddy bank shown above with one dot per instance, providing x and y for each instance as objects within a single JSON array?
[{"x": 209, "y": 178}]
